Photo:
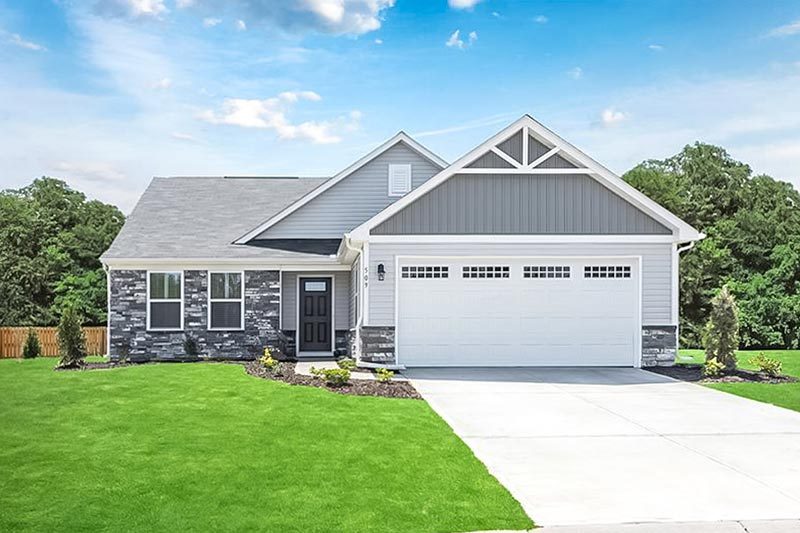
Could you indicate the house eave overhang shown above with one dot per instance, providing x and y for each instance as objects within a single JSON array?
[{"x": 254, "y": 263}]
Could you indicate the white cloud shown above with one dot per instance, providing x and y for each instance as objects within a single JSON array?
[
  {"x": 575, "y": 73},
  {"x": 473, "y": 36},
  {"x": 611, "y": 116},
  {"x": 17, "y": 40},
  {"x": 463, "y": 4},
  {"x": 210, "y": 22},
  {"x": 181, "y": 4},
  {"x": 492, "y": 120},
  {"x": 378, "y": 41},
  {"x": 655, "y": 47},
  {"x": 540, "y": 19},
  {"x": 89, "y": 171},
  {"x": 786, "y": 30},
  {"x": 188, "y": 137},
  {"x": 496, "y": 15},
  {"x": 241, "y": 25},
  {"x": 455, "y": 40},
  {"x": 132, "y": 8},
  {"x": 271, "y": 114},
  {"x": 162, "y": 84}
]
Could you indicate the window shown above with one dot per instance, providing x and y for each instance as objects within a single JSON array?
[
  {"x": 165, "y": 300},
  {"x": 549, "y": 271},
  {"x": 610, "y": 271},
  {"x": 226, "y": 301},
  {"x": 485, "y": 272},
  {"x": 425, "y": 272},
  {"x": 399, "y": 179}
]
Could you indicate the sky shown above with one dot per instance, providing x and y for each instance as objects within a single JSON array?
[{"x": 105, "y": 94}]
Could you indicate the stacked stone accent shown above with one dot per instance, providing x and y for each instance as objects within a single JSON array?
[
  {"x": 659, "y": 345},
  {"x": 377, "y": 344},
  {"x": 128, "y": 319},
  {"x": 341, "y": 343}
]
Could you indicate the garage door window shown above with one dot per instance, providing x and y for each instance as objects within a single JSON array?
[
  {"x": 548, "y": 271},
  {"x": 482, "y": 272},
  {"x": 416, "y": 272},
  {"x": 606, "y": 271}
]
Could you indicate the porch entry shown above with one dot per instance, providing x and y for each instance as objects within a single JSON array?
[{"x": 315, "y": 310}]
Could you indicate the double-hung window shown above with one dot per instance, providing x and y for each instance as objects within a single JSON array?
[
  {"x": 225, "y": 301},
  {"x": 165, "y": 301}
]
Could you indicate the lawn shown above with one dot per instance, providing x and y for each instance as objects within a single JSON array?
[
  {"x": 786, "y": 394},
  {"x": 181, "y": 447}
]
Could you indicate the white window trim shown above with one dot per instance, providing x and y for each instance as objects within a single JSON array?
[
  {"x": 394, "y": 194},
  {"x": 225, "y": 300},
  {"x": 164, "y": 300}
]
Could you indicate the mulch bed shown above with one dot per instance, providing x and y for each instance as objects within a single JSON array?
[
  {"x": 694, "y": 373},
  {"x": 356, "y": 387},
  {"x": 95, "y": 366}
]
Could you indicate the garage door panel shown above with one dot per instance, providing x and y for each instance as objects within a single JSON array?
[{"x": 519, "y": 321}]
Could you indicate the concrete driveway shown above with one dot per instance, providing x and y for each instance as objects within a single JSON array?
[{"x": 610, "y": 446}]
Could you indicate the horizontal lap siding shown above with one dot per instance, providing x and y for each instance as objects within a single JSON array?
[
  {"x": 289, "y": 298},
  {"x": 656, "y": 270},
  {"x": 510, "y": 204},
  {"x": 353, "y": 200}
]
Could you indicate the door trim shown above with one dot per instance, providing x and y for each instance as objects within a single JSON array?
[
  {"x": 637, "y": 341},
  {"x": 299, "y": 277}
]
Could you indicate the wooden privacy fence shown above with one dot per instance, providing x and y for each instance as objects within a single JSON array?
[{"x": 12, "y": 340}]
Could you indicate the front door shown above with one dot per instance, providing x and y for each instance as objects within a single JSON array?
[{"x": 315, "y": 315}]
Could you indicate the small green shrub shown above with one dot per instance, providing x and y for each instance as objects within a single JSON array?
[
  {"x": 713, "y": 368},
  {"x": 346, "y": 363},
  {"x": 269, "y": 362},
  {"x": 768, "y": 365},
  {"x": 384, "y": 375},
  {"x": 721, "y": 336},
  {"x": 334, "y": 377},
  {"x": 32, "y": 348},
  {"x": 190, "y": 346},
  {"x": 71, "y": 340}
]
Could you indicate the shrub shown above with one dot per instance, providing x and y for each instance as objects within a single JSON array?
[
  {"x": 71, "y": 341},
  {"x": 269, "y": 362},
  {"x": 190, "y": 346},
  {"x": 384, "y": 375},
  {"x": 32, "y": 348},
  {"x": 346, "y": 363},
  {"x": 335, "y": 377},
  {"x": 768, "y": 365},
  {"x": 713, "y": 368},
  {"x": 721, "y": 337}
]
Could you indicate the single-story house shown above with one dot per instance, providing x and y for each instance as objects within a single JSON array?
[{"x": 523, "y": 252}]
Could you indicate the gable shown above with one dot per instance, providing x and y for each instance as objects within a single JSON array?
[
  {"x": 352, "y": 200},
  {"x": 520, "y": 204}
]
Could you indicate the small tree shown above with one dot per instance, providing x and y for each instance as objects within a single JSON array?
[
  {"x": 71, "y": 340},
  {"x": 721, "y": 336},
  {"x": 32, "y": 348}
]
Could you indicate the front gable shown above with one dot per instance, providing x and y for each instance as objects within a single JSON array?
[{"x": 526, "y": 180}]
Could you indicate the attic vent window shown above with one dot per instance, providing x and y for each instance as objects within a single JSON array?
[{"x": 399, "y": 180}]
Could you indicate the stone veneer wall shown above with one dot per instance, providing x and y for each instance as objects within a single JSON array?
[
  {"x": 377, "y": 344},
  {"x": 128, "y": 319},
  {"x": 341, "y": 343},
  {"x": 659, "y": 345}
]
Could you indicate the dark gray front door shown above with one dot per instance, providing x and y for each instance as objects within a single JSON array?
[{"x": 315, "y": 315}]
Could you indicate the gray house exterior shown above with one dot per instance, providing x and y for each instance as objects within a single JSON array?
[{"x": 523, "y": 252}]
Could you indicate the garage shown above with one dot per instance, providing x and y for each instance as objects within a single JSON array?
[{"x": 502, "y": 311}]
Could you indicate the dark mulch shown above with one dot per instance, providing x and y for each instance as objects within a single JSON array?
[
  {"x": 285, "y": 373},
  {"x": 95, "y": 366},
  {"x": 694, "y": 373}
]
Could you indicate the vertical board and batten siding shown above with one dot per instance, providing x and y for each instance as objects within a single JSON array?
[
  {"x": 341, "y": 287},
  {"x": 656, "y": 270},
  {"x": 353, "y": 200},
  {"x": 520, "y": 204}
]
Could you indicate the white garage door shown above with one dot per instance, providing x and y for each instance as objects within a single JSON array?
[{"x": 518, "y": 312}]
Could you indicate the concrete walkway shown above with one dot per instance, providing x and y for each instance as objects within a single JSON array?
[{"x": 616, "y": 446}]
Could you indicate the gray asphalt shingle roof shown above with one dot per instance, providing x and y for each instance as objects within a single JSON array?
[{"x": 193, "y": 218}]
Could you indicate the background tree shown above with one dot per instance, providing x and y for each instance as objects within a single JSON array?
[
  {"x": 71, "y": 340},
  {"x": 51, "y": 239}
]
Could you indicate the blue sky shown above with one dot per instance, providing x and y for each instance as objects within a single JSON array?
[{"x": 107, "y": 93}]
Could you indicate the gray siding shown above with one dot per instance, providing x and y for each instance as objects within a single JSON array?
[
  {"x": 490, "y": 160},
  {"x": 519, "y": 204},
  {"x": 513, "y": 146},
  {"x": 536, "y": 149},
  {"x": 341, "y": 288},
  {"x": 353, "y": 200},
  {"x": 656, "y": 270}
]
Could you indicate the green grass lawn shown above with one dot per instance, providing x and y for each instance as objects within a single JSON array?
[
  {"x": 198, "y": 447},
  {"x": 785, "y": 395}
]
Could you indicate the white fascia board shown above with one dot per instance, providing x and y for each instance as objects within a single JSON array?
[
  {"x": 330, "y": 263},
  {"x": 523, "y": 239},
  {"x": 683, "y": 232},
  {"x": 398, "y": 138}
]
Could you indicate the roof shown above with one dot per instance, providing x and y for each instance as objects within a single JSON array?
[
  {"x": 399, "y": 137},
  {"x": 199, "y": 218}
]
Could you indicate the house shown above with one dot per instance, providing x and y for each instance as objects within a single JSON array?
[{"x": 524, "y": 251}]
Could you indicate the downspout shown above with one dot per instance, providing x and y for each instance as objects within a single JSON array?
[
  {"x": 107, "y": 270},
  {"x": 678, "y": 251},
  {"x": 360, "y": 313}
]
